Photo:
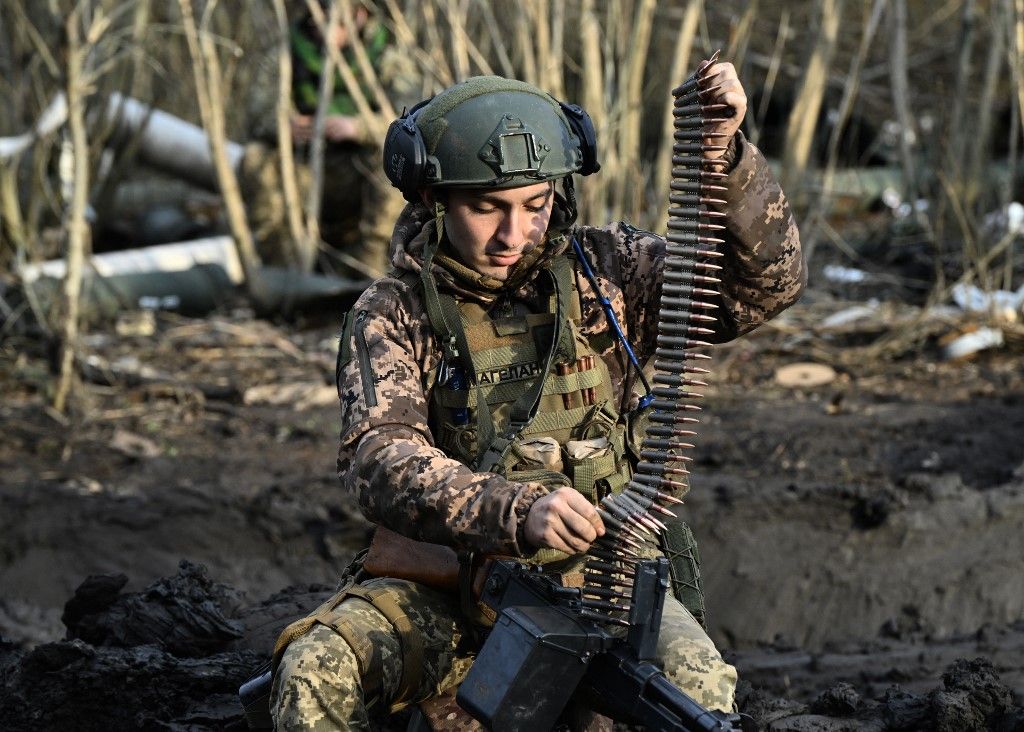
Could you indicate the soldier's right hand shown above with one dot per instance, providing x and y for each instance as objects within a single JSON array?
[
  {"x": 564, "y": 520},
  {"x": 302, "y": 128}
]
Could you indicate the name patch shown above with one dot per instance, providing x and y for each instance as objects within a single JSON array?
[{"x": 509, "y": 373}]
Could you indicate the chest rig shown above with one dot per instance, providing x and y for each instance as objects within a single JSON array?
[{"x": 521, "y": 392}]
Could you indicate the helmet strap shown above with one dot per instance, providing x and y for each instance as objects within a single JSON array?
[{"x": 564, "y": 212}]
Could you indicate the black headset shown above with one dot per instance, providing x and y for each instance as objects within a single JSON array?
[{"x": 405, "y": 154}]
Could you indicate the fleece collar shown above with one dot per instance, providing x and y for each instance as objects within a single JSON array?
[{"x": 418, "y": 226}]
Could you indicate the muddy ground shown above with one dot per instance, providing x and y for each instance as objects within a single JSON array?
[{"x": 858, "y": 537}]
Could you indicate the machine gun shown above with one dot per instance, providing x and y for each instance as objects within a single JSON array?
[{"x": 547, "y": 645}]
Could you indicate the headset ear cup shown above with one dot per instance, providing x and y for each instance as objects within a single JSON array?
[
  {"x": 564, "y": 211},
  {"x": 583, "y": 127},
  {"x": 405, "y": 157}
]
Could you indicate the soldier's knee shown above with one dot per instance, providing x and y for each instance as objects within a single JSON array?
[
  {"x": 700, "y": 671},
  {"x": 317, "y": 684}
]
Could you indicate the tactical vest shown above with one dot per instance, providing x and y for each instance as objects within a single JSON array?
[{"x": 531, "y": 400}]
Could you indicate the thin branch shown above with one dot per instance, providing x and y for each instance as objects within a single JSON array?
[
  {"x": 770, "y": 77},
  {"x": 457, "y": 22},
  {"x": 325, "y": 91},
  {"x": 369, "y": 74},
  {"x": 685, "y": 37},
  {"x": 206, "y": 71},
  {"x": 592, "y": 200},
  {"x": 630, "y": 102},
  {"x": 845, "y": 109},
  {"x": 77, "y": 228},
  {"x": 557, "y": 66},
  {"x": 406, "y": 38},
  {"x": 804, "y": 116},
  {"x": 375, "y": 123},
  {"x": 498, "y": 39},
  {"x": 435, "y": 44},
  {"x": 303, "y": 245},
  {"x": 1018, "y": 53},
  {"x": 524, "y": 43}
]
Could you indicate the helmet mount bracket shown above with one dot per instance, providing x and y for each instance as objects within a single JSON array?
[{"x": 514, "y": 149}]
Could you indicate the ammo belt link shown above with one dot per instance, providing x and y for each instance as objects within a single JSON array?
[{"x": 639, "y": 516}]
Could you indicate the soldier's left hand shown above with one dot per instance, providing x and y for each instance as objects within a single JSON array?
[{"x": 730, "y": 91}]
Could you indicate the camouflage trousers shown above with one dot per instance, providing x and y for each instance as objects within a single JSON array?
[
  {"x": 358, "y": 209},
  {"x": 326, "y": 683}
]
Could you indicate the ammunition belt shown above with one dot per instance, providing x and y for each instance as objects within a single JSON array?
[{"x": 636, "y": 517}]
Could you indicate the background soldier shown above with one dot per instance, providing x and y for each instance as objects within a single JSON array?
[
  {"x": 359, "y": 206},
  {"x": 487, "y": 325}
]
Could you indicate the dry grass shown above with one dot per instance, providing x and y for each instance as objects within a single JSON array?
[{"x": 938, "y": 86}]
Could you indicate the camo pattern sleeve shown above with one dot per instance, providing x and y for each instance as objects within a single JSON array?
[
  {"x": 764, "y": 268},
  {"x": 387, "y": 456}
]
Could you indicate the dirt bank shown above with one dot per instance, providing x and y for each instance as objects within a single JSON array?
[{"x": 866, "y": 531}]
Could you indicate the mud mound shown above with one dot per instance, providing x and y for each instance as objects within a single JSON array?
[
  {"x": 73, "y": 685},
  {"x": 172, "y": 657},
  {"x": 972, "y": 698},
  {"x": 182, "y": 614},
  {"x": 169, "y": 657},
  {"x": 157, "y": 658}
]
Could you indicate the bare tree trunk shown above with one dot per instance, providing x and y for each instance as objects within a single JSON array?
[
  {"x": 304, "y": 246},
  {"x": 1018, "y": 53},
  {"x": 757, "y": 123},
  {"x": 631, "y": 104},
  {"x": 982, "y": 133},
  {"x": 206, "y": 70},
  {"x": 845, "y": 108},
  {"x": 77, "y": 228},
  {"x": 592, "y": 198},
  {"x": 557, "y": 63},
  {"x": 804, "y": 116},
  {"x": 315, "y": 195},
  {"x": 680, "y": 61}
]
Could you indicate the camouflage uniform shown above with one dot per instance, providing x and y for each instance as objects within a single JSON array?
[{"x": 388, "y": 456}]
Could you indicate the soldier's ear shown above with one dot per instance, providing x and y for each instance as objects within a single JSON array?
[{"x": 431, "y": 197}]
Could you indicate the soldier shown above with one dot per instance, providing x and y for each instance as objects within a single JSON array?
[
  {"x": 486, "y": 401},
  {"x": 359, "y": 206}
]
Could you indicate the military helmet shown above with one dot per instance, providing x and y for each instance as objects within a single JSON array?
[{"x": 488, "y": 132}]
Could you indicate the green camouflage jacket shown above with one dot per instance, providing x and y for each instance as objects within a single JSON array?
[{"x": 387, "y": 454}]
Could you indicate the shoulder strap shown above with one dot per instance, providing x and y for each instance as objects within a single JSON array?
[{"x": 440, "y": 321}]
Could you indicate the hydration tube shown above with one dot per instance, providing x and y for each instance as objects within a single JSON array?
[{"x": 609, "y": 315}]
